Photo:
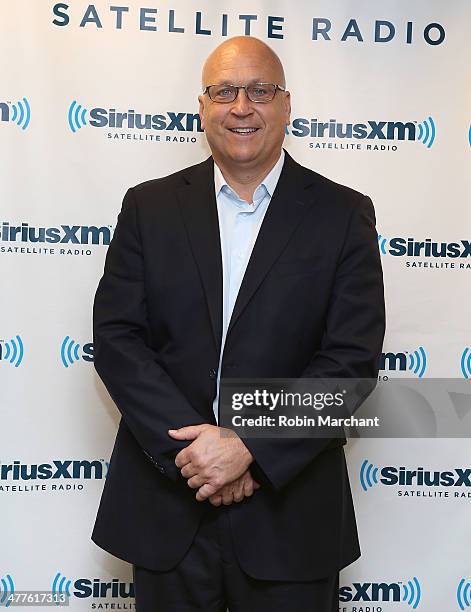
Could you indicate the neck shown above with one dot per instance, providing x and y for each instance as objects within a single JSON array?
[{"x": 245, "y": 180}]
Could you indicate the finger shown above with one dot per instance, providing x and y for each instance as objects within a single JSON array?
[
  {"x": 195, "y": 481},
  {"x": 227, "y": 495},
  {"x": 188, "y": 470},
  {"x": 182, "y": 458},
  {"x": 255, "y": 484},
  {"x": 205, "y": 491},
  {"x": 248, "y": 487},
  {"x": 215, "y": 500},
  {"x": 186, "y": 433},
  {"x": 238, "y": 494}
]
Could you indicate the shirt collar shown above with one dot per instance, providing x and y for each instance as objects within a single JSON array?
[{"x": 269, "y": 182}]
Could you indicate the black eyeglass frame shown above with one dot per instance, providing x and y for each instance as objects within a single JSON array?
[{"x": 244, "y": 87}]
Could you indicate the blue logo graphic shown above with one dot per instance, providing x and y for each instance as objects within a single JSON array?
[
  {"x": 427, "y": 132},
  {"x": 7, "y": 589},
  {"x": 412, "y": 592},
  {"x": 76, "y": 116},
  {"x": 407, "y": 591},
  {"x": 12, "y": 351},
  {"x": 414, "y": 361},
  {"x": 466, "y": 363},
  {"x": 418, "y": 361},
  {"x": 462, "y": 594},
  {"x": 469, "y": 135},
  {"x": 382, "y": 241},
  {"x": 60, "y": 587},
  {"x": 20, "y": 113},
  {"x": 69, "y": 352},
  {"x": 368, "y": 475}
]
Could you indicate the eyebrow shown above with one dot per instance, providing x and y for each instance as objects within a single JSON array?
[{"x": 251, "y": 82}]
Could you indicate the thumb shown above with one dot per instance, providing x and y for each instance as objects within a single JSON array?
[{"x": 186, "y": 433}]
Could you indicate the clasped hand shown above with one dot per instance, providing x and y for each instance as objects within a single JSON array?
[{"x": 215, "y": 464}]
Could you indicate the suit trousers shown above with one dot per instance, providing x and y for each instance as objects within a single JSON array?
[{"x": 210, "y": 579}]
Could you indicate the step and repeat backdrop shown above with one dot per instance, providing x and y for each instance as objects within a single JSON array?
[{"x": 95, "y": 98}]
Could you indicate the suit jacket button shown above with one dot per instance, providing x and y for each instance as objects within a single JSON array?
[{"x": 213, "y": 373}]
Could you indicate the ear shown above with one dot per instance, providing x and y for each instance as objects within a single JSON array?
[
  {"x": 287, "y": 103},
  {"x": 201, "y": 110}
]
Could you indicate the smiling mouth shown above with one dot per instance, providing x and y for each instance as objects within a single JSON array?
[{"x": 246, "y": 130}]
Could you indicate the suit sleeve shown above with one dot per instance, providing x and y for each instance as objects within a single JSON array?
[
  {"x": 148, "y": 399},
  {"x": 350, "y": 348}
]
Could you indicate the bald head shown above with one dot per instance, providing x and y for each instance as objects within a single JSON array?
[{"x": 235, "y": 49}]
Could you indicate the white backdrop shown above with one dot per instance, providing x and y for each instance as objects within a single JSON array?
[{"x": 399, "y": 69}]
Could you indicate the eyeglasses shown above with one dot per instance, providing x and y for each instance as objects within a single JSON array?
[{"x": 258, "y": 92}]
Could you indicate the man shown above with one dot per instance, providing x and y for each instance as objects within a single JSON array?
[{"x": 246, "y": 265}]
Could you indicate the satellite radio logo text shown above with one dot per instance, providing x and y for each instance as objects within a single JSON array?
[
  {"x": 18, "y": 239},
  {"x": 383, "y": 133},
  {"x": 198, "y": 23},
  {"x": 79, "y": 117},
  {"x": 418, "y": 482}
]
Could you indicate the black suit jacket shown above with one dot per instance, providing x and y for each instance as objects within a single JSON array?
[{"x": 310, "y": 304}]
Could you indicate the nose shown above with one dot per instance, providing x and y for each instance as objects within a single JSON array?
[{"x": 241, "y": 105}]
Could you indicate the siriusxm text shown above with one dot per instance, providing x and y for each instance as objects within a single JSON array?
[
  {"x": 63, "y": 234},
  {"x": 399, "y": 247},
  {"x": 369, "y": 130},
  {"x": 458, "y": 477},
  {"x": 370, "y": 591},
  {"x": 84, "y": 587},
  {"x": 57, "y": 469}
]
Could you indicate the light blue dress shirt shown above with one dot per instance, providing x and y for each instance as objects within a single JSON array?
[{"x": 239, "y": 224}]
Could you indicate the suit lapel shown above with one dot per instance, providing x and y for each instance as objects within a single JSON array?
[
  {"x": 289, "y": 204},
  {"x": 198, "y": 205}
]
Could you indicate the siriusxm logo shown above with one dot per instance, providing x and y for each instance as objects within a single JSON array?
[
  {"x": 18, "y": 113},
  {"x": 78, "y": 117},
  {"x": 371, "y": 475},
  {"x": 414, "y": 361},
  {"x": 58, "y": 469},
  {"x": 7, "y": 589},
  {"x": 64, "y": 234},
  {"x": 410, "y": 247},
  {"x": 424, "y": 132},
  {"x": 12, "y": 351},
  {"x": 70, "y": 352},
  {"x": 96, "y": 588},
  {"x": 406, "y": 592}
]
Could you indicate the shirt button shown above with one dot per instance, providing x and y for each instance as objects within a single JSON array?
[
  {"x": 161, "y": 469},
  {"x": 212, "y": 373}
]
